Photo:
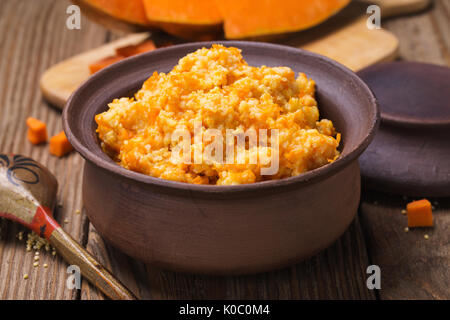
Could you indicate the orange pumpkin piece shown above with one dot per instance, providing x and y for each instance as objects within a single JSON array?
[
  {"x": 103, "y": 63},
  {"x": 420, "y": 213},
  {"x": 192, "y": 19},
  {"x": 127, "y": 10},
  {"x": 251, "y": 18},
  {"x": 132, "y": 50},
  {"x": 197, "y": 12},
  {"x": 59, "y": 145},
  {"x": 37, "y": 131}
]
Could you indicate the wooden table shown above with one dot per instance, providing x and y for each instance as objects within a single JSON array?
[{"x": 33, "y": 36}]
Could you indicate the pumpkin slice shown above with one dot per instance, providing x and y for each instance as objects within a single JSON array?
[
  {"x": 103, "y": 63},
  {"x": 127, "y": 10},
  {"x": 252, "y": 18},
  {"x": 192, "y": 19},
  {"x": 135, "y": 49}
]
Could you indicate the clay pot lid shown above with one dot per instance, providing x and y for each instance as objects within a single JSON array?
[{"x": 410, "y": 154}]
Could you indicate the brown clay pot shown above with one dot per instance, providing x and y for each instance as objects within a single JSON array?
[{"x": 223, "y": 229}]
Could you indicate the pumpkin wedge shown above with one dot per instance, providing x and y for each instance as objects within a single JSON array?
[
  {"x": 185, "y": 18},
  {"x": 127, "y": 10},
  {"x": 253, "y": 18}
]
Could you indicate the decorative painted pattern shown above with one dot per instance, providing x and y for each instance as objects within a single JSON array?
[
  {"x": 19, "y": 175},
  {"x": 15, "y": 164}
]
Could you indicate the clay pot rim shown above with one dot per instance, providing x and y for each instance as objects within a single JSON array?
[{"x": 305, "y": 178}]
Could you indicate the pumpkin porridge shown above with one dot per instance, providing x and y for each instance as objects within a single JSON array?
[{"x": 216, "y": 89}]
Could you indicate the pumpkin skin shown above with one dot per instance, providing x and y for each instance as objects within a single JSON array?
[
  {"x": 127, "y": 10},
  {"x": 253, "y": 18}
]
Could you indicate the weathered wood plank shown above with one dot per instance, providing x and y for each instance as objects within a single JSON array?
[
  {"x": 31, "y": 42},
  {"x": 39, "y": 38},
  {"x": 440, "y": 19},
  {"x": 336, "y": 273},
  {"x": 412, "y": 267},
  {"x": 419, "y": 40}
]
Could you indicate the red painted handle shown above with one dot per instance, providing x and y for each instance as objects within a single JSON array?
[{"x": 43, "y": 223}]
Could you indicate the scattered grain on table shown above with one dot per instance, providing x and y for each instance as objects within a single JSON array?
[{"x": 34, "y": 242}]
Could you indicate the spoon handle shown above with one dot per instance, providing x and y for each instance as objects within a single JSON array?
[
  {"x": 27, "y": 195},
  {"x": 74, "y": 254}
]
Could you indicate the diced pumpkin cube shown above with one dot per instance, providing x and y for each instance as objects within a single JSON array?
[
  {"x": 37, "y": 131},
  {"x": 420, "y": 213},
  {"x": 59, "y": 145}
]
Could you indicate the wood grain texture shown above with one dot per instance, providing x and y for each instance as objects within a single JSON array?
[
  {"x": 61, "y": 80},
  {"x": 411, "y": 266},
  {"x": 414, "y": 269},
  {"x": 39, "y": 40},
  {"x": 341, "y": 44},
  {"x": 425, "y": 36},
  {"x": 74, "y": 254},
  {"x": 28, "y": 196},
  {"x": 336, "y": 273},
  {"x": 391, "y": 8}
]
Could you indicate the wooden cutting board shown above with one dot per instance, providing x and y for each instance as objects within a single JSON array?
[{"x": 345, "y": 38}]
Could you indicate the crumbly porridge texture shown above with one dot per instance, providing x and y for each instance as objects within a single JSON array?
[{"x": 217, "y": 88}]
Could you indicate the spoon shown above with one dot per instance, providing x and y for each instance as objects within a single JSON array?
[{"x": 28, "y": 196}]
